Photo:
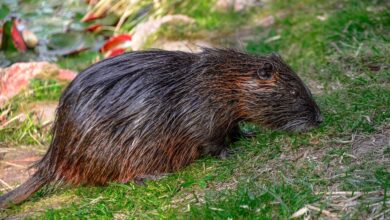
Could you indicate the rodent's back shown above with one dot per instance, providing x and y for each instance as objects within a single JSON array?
[
  {"x": 131, "y": 73},
  {"x": 132, "y": 115}
]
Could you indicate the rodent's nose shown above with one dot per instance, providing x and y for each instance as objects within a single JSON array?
[{"x": 319, "y": 119}]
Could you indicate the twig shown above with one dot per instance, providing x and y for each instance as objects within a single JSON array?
[
  {"x": 350, "y": 155},
  {"x": 13, "y": 164},
  {"x": 354, "y": 198},
  {"x": 11, "y": 120},
  {"x": 307, "y": 208},
  {"x": 6, "y": 184},
  {"x": 323, "y": 211},
  {"x": 35, "y": 139},
  {"x": 300, "y": 212},
  {"x": 46, "y": 123},
  {"x": 348, "y": 141}
]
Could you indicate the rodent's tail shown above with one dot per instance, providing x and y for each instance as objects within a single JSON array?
[{"x": 22, "y": 192}]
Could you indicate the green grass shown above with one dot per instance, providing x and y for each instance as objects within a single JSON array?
[
  {"x": 274, "y": 174},
  {"x": 343, "y": 46},
  {"x": 26, "y": 130},
  {"x": 44, "y": 90},
  {"x": 210, "y": 22}
]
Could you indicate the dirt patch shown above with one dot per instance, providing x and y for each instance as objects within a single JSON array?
[
  {"x": 14, "y": 164},
  {"x": 373, "y": 147}
]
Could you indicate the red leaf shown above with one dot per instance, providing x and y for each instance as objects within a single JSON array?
[
  {"x": 115, "y": 52},
  {"x": 115, "y": 41},
  {"x": 17, "y": 37},
  {"x": 94, "y": 27}
]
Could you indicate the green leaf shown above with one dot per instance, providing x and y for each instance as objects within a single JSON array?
[
  {"x": 7, "y": 43},
  {"x": 69, "y": 43},
  {"x": 4, "y": 11}
]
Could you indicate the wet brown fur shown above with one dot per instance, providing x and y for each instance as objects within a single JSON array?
[{"x": 153, "y": 112}]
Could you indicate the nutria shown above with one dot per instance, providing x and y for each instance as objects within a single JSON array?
[{"x": 152, "y": 112}]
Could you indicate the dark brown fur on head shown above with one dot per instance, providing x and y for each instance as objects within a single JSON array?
[
  {"x": 274, "y": 96},
  {"x": 150, "y": 112},
  {"x": 264, "y": 90}
]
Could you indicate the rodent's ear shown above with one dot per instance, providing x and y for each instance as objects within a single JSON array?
[
  {"x": 265, "y": 72},
  {"x": 276, "y": 55}
]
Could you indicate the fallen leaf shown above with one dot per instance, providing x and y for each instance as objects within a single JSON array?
[
  {"x": 17, "y": 38},
  {"x": 115, "y": 41}
]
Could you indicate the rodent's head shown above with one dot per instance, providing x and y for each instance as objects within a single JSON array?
[{"x": 277, "y": 97}]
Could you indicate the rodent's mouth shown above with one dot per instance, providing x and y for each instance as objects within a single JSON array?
[{"x": 299, "y": 126}]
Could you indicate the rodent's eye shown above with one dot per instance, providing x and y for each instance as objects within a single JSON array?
[{"x": 265, "y": 72}]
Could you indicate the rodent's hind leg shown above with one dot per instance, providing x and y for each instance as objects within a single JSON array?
[
  {"x": 217, "y": 149},
  {"x": 224, "y": 154},
  {"x": 214, "y": 148}
]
